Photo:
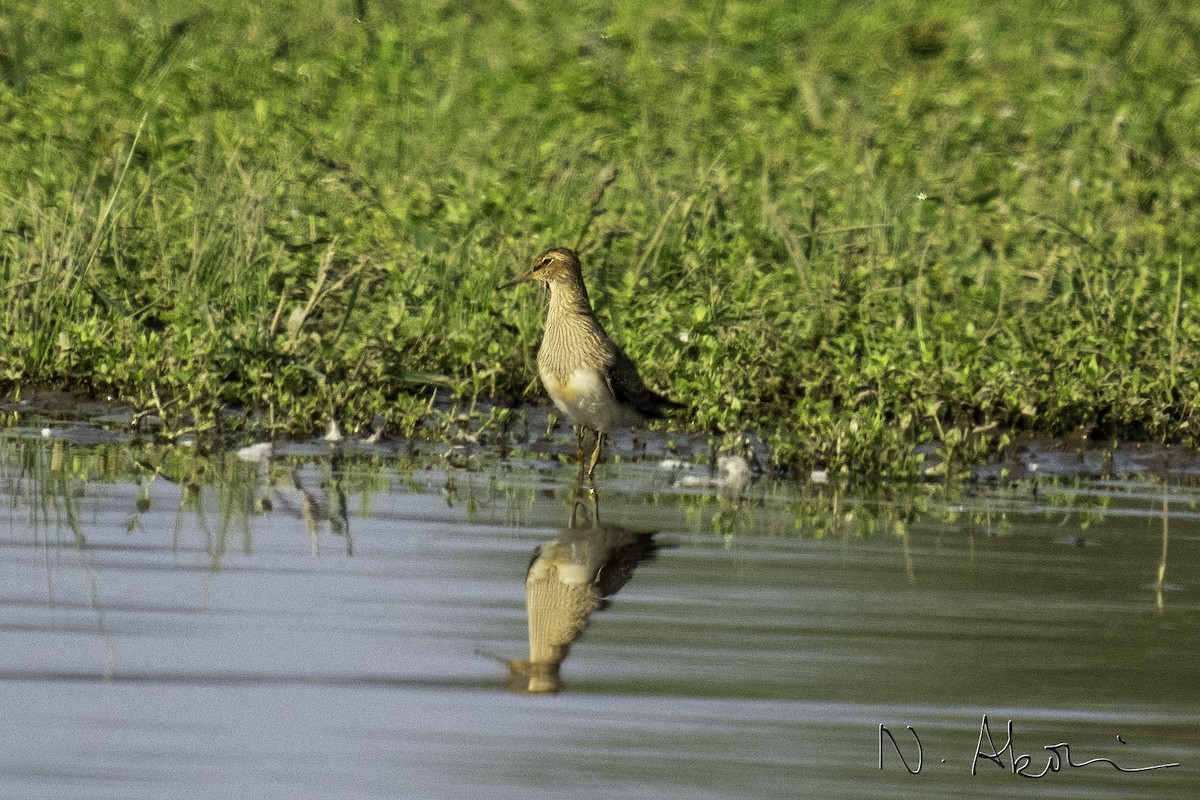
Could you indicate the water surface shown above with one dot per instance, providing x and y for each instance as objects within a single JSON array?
[{"x": 333, "y": 622}]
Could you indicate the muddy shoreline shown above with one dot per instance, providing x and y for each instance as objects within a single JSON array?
[{"x": 80, "y": 420}]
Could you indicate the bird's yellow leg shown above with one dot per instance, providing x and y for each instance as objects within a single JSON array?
[
  {"x": 595, "y": 454},
  {"x": 579, "y": 451}
]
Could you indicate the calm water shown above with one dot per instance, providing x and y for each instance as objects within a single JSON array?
[{"x": 325, "y": 625}]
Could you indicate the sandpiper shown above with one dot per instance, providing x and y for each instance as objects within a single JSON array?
[{"x": 589, "y": 378}]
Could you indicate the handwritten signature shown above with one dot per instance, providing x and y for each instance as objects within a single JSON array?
[{"x": 1058, "y": 755}]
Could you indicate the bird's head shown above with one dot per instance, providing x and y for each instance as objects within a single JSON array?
[{"x": 557, "y": 263}]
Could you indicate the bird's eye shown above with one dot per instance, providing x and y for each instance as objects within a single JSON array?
[{"x": 545, "y": 262}]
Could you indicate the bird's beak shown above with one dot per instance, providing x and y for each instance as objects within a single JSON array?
[{"x": 528, "y": 276}]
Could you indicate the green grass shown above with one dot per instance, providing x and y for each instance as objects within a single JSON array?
[{"x": 854, "y": 229}]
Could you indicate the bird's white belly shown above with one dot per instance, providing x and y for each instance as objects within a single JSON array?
[{"x": 585, "y": 397}]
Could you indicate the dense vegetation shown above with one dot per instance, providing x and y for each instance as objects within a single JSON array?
[{"x": 851, "y": 228}]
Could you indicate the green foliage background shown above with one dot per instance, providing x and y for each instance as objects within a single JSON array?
[{"x": 853, "y": 228}]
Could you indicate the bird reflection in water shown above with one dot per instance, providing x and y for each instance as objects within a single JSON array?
[{"x": 572, "y": 576}]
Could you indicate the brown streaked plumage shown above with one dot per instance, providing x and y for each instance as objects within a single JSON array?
[{"x": 589, "y": 378}]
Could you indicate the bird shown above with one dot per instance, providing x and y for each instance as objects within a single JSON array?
[{"x": 588, "y": 377}]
